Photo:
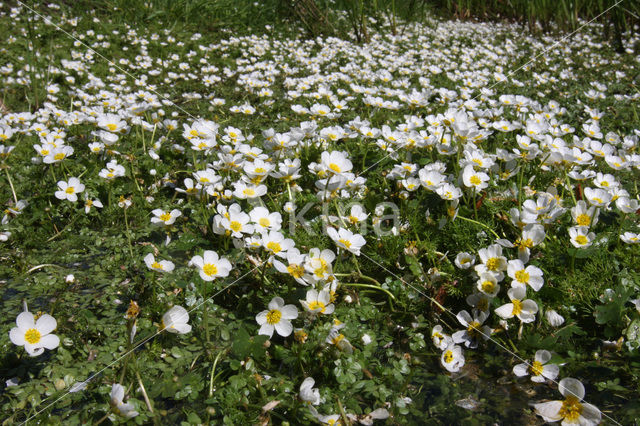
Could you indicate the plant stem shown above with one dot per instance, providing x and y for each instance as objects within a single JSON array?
[
  {"x": 480, "y": 224},
  {"x": 126, "y": 224},
  {"x": 144, "y": 393},
  {"x": 213, "y": 370},
  {"x": 373, "y": 287},
  {"x": 13, "y": 190}
]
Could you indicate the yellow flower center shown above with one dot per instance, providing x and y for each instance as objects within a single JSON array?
[
  {"x": 249, "y": 192},
  {"x": 112, "y": 127},
  {"x": 335, "y": 167},
  {"x": 32, "y": 336},
  {"x": 345, "y": 243},
  {"x": 260, "y": 170},
  {"x": 295, "y": 270},
  {"x": 165, "y": 217},
  {"x": 353, "y": 219},
  {"x": 522, "y": 276},
  {"x": 475, "y": 180},
  {"x": 264, "y": 222},
  {"x": 527, "y": 243},
  {"x": 274, "y": 316},
  {"x": 583, "y": 220},
  {"x": 274, "y": 247},
  {"x": 582, "y": 240},
  {"x": 493, "y": 264},
  {"x": 448, "y": 357},
  {"x": 571, "y": 409},
  {"x": 59, "y": 156},
  {"x": 536, "y": 368},
  {"x": 69, "y": 190},
  {"x": 235, "y": 225},
  {"x": 210, "y": 269},
  {"x": 337, "y": 339},
  {"x": 473, "y": 329},
  {"x": 88, "y": 203},
  {"x": 316, "y": 305},
  {"x": 156, "y": 265},
  {"x": 517, "y": 307},
  {"x": 488, "y": 286}
]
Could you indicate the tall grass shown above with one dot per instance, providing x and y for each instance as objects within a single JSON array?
[{"x": 545, "y": 15}]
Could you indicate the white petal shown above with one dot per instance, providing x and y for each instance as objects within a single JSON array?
[
  {"x": 543, "y": 356},
  {"x": 284, "y": 328},
  {"x": 276, "y": 303},
  {"x": 25, "y": 321},
  {"x": 521, "y": 370},
  {"x": 266, "y": 329},
  {"x": 591, "y": 413},
  {"x": 261, "y": 318},
  {"x": 569, "y": 386},
  {"x": 289, "y": 312},
  {"x": 46, "y": 324},
  {"x": 505, "y": 311},
  {"x": 550, "y": 411},
  {"x": 17, "y": 336},
  {"x": 50, "y": 341},
  {"x": 550, "y": 371}
]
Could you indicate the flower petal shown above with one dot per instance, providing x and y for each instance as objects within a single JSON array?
[
  {"x": 50, "y": 341},
  {"x": 289, "y": 312},
  {"x": 25, "y": 321},
  {"x": 284, "y": 328},
  {"x": 46, "y": 324},
  {"x": 549, "y": 411},
  {"x": 17, "y": 336},
  {"x": 569, "y": 386}
]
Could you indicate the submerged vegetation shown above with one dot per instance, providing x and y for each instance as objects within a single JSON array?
[{"x": 236, "y": 216}]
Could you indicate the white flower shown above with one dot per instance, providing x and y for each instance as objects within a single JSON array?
[
  {"x": 88, "y": 203},
  {"x": 554, "y": 318},
  {"x": 307, "y": 393},
  {"x": 630, "y": 238},
  {"x": 336, "y": 162},
  {"x": 525, "y": 310},
  {"x": 34, "y": 335},
  {"x": 531, "y": 275},
  {"x": 211, "y": 266},
  {"x": 347, "y": 239},
  {"x": 120, "y": 408},
  {"x": 440, "y": 339},
  {"x": 581, "y": 237},
  {"x": 474, "y": 329},
  {"x": 295, "y": 266},
  {"x": 68, "y": 190},
  {"x": 538, "y": 370},
  {"x": 175, "y": 320},
  {"x": 276, "y": 243},
  {"x": 597, "y": 197},
  {"x": 571, "y": 411},
  {"x": 164, "y": 218},
  {"x": 488, "y": 284},
  {"x": 318, "y": 302},
  {"x": 452, "y": 358},
  {"x": 277, "y": 318},
  {"x": 265, "y": 221},
  {"x": 161, "y": 266},
  {"x": 464, "y": 260},
  {"x": 473, "y": 179}
]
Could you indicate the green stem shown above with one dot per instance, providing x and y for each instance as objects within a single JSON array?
[
  {"x": 213, "y": 370},
  {"x": 126, "y": 224},
  {"x": 566, "y": 179},
  {"x": 13, "y": 190},
  {"x": 480, "y": 224},
  {"x": 373, "y": 287}
]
